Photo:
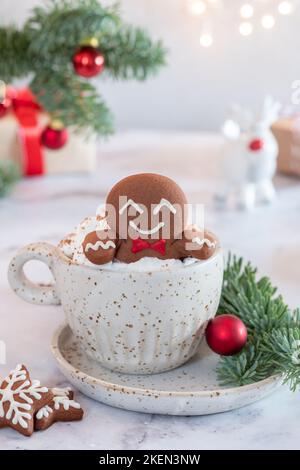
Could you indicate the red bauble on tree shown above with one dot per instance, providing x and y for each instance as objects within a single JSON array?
[
  {"x": 88, "y": 60},
  {"x": 54, "y": 136},
  {"x": 226, "y": 335}
]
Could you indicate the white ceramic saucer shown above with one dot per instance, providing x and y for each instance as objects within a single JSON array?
[{"x": 192, "y": 389}]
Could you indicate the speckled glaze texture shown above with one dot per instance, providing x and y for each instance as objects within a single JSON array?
[
  {"x": 130, "y": 322},
  {"x": 23, "y": 287},
  {"x": 191, "y": 389}
]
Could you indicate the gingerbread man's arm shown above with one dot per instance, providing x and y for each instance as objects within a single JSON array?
[
  {"x": 100, "y": 248},
  {"x": 196, "y": 244}
]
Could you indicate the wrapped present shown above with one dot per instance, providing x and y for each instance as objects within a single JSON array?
[
  {"x": 21, "y": 130},
  {"x": 287, "y": 133}
]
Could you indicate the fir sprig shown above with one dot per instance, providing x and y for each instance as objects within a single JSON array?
[
  {"x": 42, "y": 50},
  {"x": 14, "y": 61},
  {"x": 74, "y": 101},
  {"x": 273, "y": 345}
]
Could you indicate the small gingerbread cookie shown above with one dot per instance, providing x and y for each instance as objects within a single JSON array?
[
  {"x": 99, "y": 249},
  {"x": 62, "y": 407},
  {"x": 20, "y": 398},
  {"x": 196, "y": 243}
]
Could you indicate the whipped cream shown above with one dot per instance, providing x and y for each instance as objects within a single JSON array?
[
  {"x": 149, "y": 264},
  {"x": 71, "y": 246}
]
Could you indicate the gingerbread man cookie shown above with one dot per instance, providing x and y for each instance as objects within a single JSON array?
[
  {"x": 20, "y": 398},
  {"x": 147, "y": 217},
  {"x": 62, "y": 407},
  {"x": 193, "y": 242},
  {"x": 99, "y": 250}
]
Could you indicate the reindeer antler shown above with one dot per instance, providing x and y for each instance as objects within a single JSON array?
[{"x": 269, "y": 111}]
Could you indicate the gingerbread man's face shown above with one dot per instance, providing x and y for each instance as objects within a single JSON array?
[
  {"x": 146, "y": 216},
  {"x": 146, "y": 206}
]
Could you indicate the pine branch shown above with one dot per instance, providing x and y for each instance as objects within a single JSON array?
[
  {"x": 131, "y": 54},
  {"x": 253, "y": 301},
  {"x": 44, "y": 48},
  {"x": 282, "y": 348},
  {"x": 14, "y": 61},
  {"x": 74, "y": 101},
  {"x": 245, "y": 368},
  {"x": 56, "y": 33},
  {"x": 58, "y": 28},
  {"x": 273, "y": 345}
]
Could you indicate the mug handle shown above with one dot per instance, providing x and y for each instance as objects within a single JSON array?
[{"x": 22, "y": 286}]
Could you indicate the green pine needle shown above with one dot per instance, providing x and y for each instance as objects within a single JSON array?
[
  {"x": 74, "y": 101},
  {"x": 273, "y": 345}
]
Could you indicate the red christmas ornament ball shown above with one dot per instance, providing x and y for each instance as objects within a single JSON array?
[
  {"x": 256, "y": 144},
  {"x": 54, "y": 138},
  {"x": 4, "y": 106},
  {"x": 226, "y": 335},
  {"x": 88, "y": 62}
]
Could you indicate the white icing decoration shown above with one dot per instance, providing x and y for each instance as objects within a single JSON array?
[
  {"x": 17, "y": 411},
  {"x": 61, "y": 392},
  {"x": 61, "y": 397},
  {"x": 131, "y": 202},
  {"x": 164, "y": 202},
  {"x": 65, "y": 402},
  {"x": 296, "y": 353},
  {"x": 44, "y": 412},
  {"x": 96, "y": 246},
  {"x": 203, "y": 241},
  {"x": 146, "y": 232}
]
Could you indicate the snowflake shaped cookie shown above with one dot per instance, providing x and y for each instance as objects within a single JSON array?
[
  {"x": 62, "y": 407},
  {"x": 20, "y": 398}
]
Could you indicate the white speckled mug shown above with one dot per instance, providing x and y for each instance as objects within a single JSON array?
[{"x": 131, "y": 322}]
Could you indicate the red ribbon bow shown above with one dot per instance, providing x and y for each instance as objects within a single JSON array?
[
  {"x": 139, "y": 245},
  {"x": 26, "y": 110}
]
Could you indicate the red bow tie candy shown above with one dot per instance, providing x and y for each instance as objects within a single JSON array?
[{"x": 139, "y": 245}]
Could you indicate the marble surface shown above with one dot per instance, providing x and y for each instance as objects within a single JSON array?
[{"x": 44, "y": 209}]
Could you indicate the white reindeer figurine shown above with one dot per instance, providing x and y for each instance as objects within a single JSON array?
[{"x": 249, "y": 156}]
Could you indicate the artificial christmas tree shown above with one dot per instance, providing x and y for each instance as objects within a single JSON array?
[{"x": 53, "y": 50}]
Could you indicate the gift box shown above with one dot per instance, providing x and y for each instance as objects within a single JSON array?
[
  {"x": 20, "y": 136},
  {"x": 287, "y": 133}
]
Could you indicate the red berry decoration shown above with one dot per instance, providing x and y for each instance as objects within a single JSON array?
[
  {"x": 88, "y": 62},
  {"x": 256, "y": 144},
  {"x": 54, "y": 136},
  {"x": 226, "y": 335}
]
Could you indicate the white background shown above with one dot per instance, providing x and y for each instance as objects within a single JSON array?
[{"x": 196, "y": 89}]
